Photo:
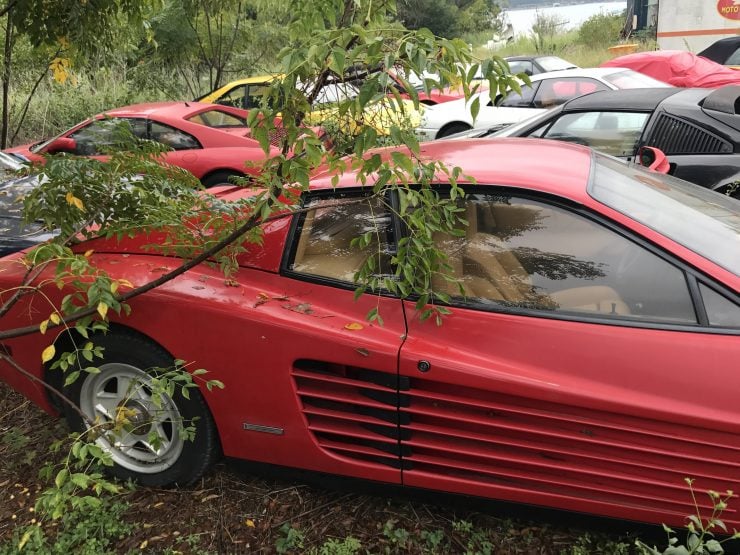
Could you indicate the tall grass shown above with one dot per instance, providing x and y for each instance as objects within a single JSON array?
[{"x": 55, "y": 107}]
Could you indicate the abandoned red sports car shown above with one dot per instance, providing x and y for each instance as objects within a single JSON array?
[
  {"x": 589, "y": 363},
  {"x": 211, "y": 142}
]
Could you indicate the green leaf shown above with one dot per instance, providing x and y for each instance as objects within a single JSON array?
[
  {"x": 80, "y": 479},
  {"x": 475, "y": 107},
  {"x": 61, "y": 477},
  {"x": 71, "y": 377}
]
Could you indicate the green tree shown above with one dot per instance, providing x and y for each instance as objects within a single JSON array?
[
  {"x": 59, "y": 27},
  {"x": 213, "y": 41},
  {"x": 447, "y": 18}
]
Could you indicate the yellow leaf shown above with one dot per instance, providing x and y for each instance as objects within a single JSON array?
[
  {"x": 74, "y": 201},
  {"x": 102, "y": 309},
  {"x": 249, "y": 523},
  {"x": 54, "y": 318},
  {"x": 48, "y": 354},
  {"x": 43, "y": 325},
  {"x": 88, "y": 254},
  {"x": 125, "y": 283},
  {"x": 143, "y": 544},
  {"x": 113, "y": 287},
  {"x": 353, "y": 326}
]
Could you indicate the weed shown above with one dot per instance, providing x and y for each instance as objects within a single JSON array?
[
  {"x": 93, "y": 532},
  {"x": 291, "y": 539}
]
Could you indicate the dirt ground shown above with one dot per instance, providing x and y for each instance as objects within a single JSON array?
[{"x": 237, "y": 509}]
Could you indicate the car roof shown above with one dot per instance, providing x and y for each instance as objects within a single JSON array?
[
  {"x": 622, "y": 99},
  {"x": 530, "y": 163},
  {"x": 176, "y": 110}
]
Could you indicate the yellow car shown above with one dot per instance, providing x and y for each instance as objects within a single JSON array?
[{"x": 248, "y": 93}]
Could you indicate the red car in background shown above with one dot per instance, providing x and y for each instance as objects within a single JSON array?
[
  {"x": 211, "y": 142},
  {"x": 678, "y": 68},
  {"x": 589, "y": 362}
]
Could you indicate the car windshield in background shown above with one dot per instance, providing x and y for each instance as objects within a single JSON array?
[
  {"x": 553, "y": 63},
  {"x": 629, "y": 79},
  {"x": 218, "y": 119},
  {"x": 706, "y": 222}
]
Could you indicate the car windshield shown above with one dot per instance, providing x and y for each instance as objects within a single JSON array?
[
  {"x": 553, "y": 63},
  {"x": 706, "y": 222},
  {"x": 628, "y": 79},
  {"x": 40, "y": 146}
]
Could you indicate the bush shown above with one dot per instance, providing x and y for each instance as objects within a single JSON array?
[{"x": 601, "y": 29}]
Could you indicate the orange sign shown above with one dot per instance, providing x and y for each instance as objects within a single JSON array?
[{"x": 729, "y": 9}]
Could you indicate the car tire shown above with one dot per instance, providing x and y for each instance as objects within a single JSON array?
[
  {"x": 219, "y": 178},
  {"x": 452, "y": 128},
  {"x": 129, "y": 358}
]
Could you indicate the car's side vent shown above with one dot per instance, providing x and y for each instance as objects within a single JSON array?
[
  {"x": 676, "y": 136},
  {"x": 499, "y": 440},
  {"x": 351, "y": 411}
]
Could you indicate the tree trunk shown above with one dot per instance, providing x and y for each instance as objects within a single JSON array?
[{"x": 7, "y": 58}]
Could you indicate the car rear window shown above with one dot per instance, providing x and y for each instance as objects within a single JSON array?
[{"x": 706, "y": 222}]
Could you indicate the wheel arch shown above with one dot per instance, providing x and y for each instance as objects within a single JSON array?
[
  {"x": 66, "y": 341},
  {"x": 444, "y": 130},
  {"x": 220, "y": 171}
]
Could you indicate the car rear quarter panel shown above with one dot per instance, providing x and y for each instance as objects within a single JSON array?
[{"x": 247, "y": 332}]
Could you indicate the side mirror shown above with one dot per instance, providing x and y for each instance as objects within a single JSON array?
[
  {"x": 62, "y": 144},
  {"x": 653, "y": 159}
]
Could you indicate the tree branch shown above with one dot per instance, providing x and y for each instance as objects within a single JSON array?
[
  {"x": 48, "y": 386},
  {"x": 252, "y": 222}
]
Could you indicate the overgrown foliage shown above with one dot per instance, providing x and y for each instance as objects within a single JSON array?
[
  {"x": 601, "y": 29},
  {"x": 131, "y": 195}
]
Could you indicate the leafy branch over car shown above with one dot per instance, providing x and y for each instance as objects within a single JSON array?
[{"x": 138, "y": 402}]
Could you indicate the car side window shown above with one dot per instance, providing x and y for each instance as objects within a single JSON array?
[
  {"x": 235, "y": 97},
  {"x": 173, "y": 138},
  {"x": 721, "y": 311},
  {"x": 516, "y": 100},
  {"x": 324, "y": 242},
  {"x": 517, "y": 252},
  {"x": 614, "y": 133},
  {"x": 556, "y": 91}
]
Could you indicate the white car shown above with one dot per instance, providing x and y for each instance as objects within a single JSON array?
[{"x": 547, "y": 90}]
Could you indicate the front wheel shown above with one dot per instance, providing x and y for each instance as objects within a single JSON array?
[{"x": 148, "y": 438}]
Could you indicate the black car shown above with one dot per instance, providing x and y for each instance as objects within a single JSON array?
[
  {"x": 15, "y": 234},
  {"x": 725, "y": 51},
  {"x": 532, "y": 65},
  {"x": 698, "y": 129}
]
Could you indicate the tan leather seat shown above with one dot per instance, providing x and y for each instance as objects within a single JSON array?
[
  {"x": 596, "y": 298},
  {"x": 504, "y": 278}
]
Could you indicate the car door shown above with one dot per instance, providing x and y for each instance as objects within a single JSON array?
[
  {"x": 341, "y": 403},
  {"x": 572, "y": 372},
  {"x": 184, "y": 150}
]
